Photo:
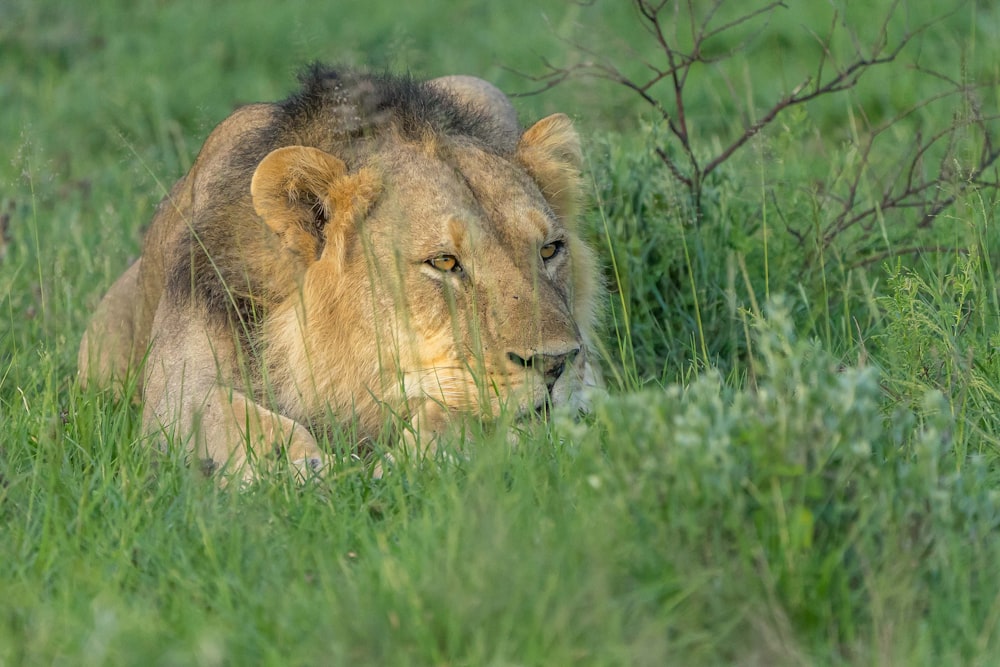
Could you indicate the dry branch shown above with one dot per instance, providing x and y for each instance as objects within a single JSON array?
[{"x": 675, "y": 71}]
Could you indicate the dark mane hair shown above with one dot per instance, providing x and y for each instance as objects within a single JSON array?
[
  {"x": 336, "y": 104},
  {"x": 339, "y": 110}
]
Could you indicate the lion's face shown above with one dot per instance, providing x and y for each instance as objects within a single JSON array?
[
  {"x": 446, "y": 280},
  {"x": 477, "y": 268}
]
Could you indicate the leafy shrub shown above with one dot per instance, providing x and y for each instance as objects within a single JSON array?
[
  {"x": 809, "y": 490},
  {"x": 672, "y": 267}
]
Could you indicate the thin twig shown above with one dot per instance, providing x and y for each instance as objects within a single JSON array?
[{"x": 901, "y": 185}]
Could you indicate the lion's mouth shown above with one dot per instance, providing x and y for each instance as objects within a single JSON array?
[
  {"x": 543, "y": 405},
  {"x": 525, "y": 396},
  {"x": 540, "y": 410}
]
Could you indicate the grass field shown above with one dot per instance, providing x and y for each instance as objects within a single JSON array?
[{"x": 797, "y": 462}]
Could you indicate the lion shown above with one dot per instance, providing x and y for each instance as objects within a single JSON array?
[{"x": 373, "y": 251}]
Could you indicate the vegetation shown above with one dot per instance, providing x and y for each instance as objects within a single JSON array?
[{"x": 797, "y": 461}]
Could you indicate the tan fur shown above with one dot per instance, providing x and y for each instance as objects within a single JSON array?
[{"x": 332, "y": 308}]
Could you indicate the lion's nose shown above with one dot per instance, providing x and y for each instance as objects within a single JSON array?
[{"x": 551, "y": 366}]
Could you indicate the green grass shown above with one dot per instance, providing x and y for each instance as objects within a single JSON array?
[{"x": 797, "y": 462}]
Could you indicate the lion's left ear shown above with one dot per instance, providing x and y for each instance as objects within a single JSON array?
[
  {"x": 308, "y": 198},
  {"x": 550, "y": 151}
]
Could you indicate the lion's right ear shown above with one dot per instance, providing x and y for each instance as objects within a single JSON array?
[
  {"x": 550, "y": 151},
  {"x": 307, "y": 197}
]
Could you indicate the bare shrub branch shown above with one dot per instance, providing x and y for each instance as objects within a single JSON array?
[{"x": 908, "y": 184}]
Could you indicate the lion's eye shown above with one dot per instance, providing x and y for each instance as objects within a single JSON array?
[
  {"x": 550, "y": 250},
  {"x": 445, "y": 263}
]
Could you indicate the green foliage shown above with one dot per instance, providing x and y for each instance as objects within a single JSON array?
[
  {"x": 819, "y": 520},
  {"x": 683, "y": 273},
  {"x": 941, "y": 333}
]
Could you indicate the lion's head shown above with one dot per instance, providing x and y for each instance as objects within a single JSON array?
[{"x": 438, "y": 269}]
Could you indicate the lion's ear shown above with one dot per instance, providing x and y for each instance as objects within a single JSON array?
[
  {"x": 307, "y": 197},
  {"x": 550, "y": 151}
]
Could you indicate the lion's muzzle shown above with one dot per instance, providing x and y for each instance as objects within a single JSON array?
[{"x": 550, "y": 365}]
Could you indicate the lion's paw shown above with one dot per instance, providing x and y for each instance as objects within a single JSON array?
[{"x": 310, "y": 467}]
